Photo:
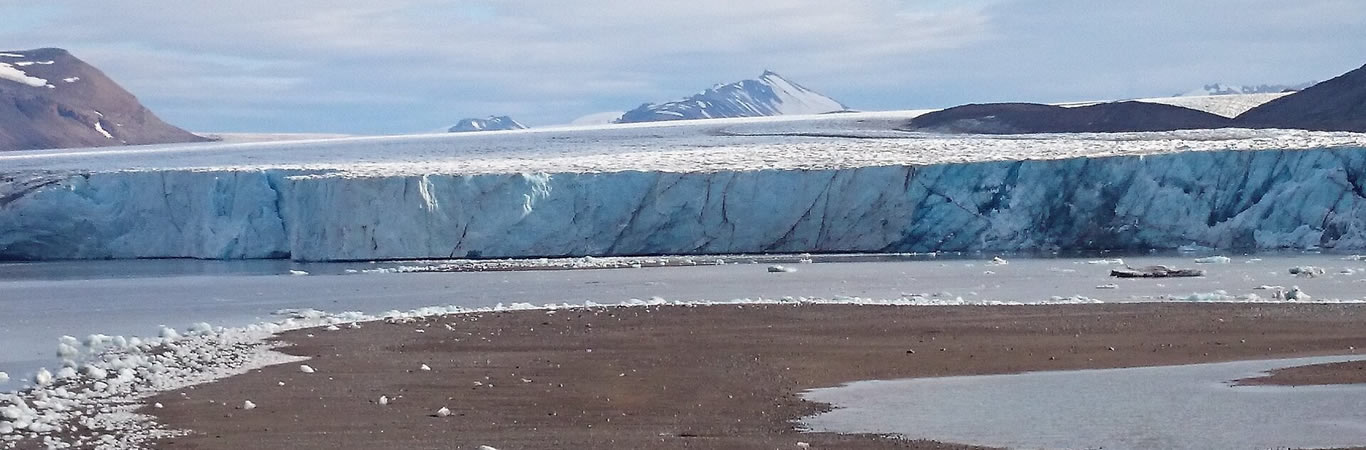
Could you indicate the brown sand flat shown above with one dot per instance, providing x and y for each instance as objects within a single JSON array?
[
  {"x": 1337, "y": 373},
  {"x": 693, "y": 377}
]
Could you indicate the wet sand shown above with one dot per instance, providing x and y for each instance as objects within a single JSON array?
[
  {"x": 1338, "y": 373},
  {"x": 696, "y": 377}
]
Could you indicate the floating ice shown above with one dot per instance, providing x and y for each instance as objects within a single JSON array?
[
  {"x": 443, "y": 412},
  {"x": 425, "y": 368},
  {"x": 383, "y": 400},
  {"x": 1307, "y": 271},
  {"x": 305, "y": 368},
  {"x": 1213, "y": 260},
  {"x": 248, "y": 405},
  {"x": 781, "y": 269}
]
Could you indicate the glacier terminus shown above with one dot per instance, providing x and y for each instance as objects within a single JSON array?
[{"x": 828, "y": 183}]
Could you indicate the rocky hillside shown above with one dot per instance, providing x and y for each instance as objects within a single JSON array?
[
  {"x": 1338, "y": 104},
  {"x": 51, "y": 99},
  {"x": 1013, "y": 118}
]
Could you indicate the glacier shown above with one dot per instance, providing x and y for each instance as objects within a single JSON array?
[{"x": 813, "y": 184}]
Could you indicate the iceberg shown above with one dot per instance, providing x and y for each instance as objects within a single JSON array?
[{"x": 692, "y": 191}]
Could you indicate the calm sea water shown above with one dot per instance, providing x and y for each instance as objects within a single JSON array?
[{"x": 41, "y": 301}]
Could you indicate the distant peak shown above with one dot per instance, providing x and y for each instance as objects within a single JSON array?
[
  {"x": 768, "y": 95},
  {"x": 491, "y": 123},
  {"x": 770, "y": 74}
]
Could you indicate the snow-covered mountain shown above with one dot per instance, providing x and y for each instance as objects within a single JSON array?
[
  {"x": 769, "y": 95},
  {"x": 51, "y": 99},
  {"x": 1234, "y": 89},
  {"x": 492, "y": 123}
]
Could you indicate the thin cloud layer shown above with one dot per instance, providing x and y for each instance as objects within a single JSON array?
[{"x": 414, "y": 65}]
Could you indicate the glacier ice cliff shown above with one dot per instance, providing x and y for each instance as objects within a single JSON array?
[{"x": 1242, "y": 199}]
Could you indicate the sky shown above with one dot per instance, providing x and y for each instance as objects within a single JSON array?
[{"x": 405, "y": 66}]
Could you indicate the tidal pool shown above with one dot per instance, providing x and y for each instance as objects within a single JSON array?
[{"x": 1170, "y": 407}]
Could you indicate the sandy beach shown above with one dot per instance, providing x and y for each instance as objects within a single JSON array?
[{"x": 700, "y": 377}]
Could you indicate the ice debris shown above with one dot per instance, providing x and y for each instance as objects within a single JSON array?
[
  {"x": 43, "y": 377},
  {"x": 1213, "y": 260},
  {"x": 1307, "y": 271},
  {"x": 248, "y": 405},
  {"x": 781, "y": 269},
  {"x": 443, "y": 412},
  {"x": 305, "y": 368}
]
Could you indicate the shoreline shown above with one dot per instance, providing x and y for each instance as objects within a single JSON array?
[{"x": 684, "y": 376}]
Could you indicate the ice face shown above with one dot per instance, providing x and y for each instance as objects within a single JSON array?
[
  {"x": 753, "y": 186},
  {"x": 1231, "y": 199}
]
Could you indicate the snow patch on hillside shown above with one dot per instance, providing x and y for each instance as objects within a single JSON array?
[
  {"x": 1224, "y": 105},
  {"x": 12, "y": 73}
]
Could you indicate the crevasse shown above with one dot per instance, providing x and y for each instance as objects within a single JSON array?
[{"x": 1223, "y": 199}]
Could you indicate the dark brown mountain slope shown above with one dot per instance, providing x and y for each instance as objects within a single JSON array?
[
  {"x": 1338, "y": 104},
  {"x": 1016, "y": 118},
  {"x": 51, "y": 99}
]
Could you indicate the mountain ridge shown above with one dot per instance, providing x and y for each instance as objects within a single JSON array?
[
  {"x": 490, "y": 123},
  {"x": 51, "y": 99},
  {"x": 768, "y": 95}
]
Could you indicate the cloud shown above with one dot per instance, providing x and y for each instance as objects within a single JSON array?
[
  {"x": 411, "y": 65},
  {"x": 456, "y": 57}
]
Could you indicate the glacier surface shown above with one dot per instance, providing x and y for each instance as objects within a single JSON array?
[{"x": 850, "y": 183}]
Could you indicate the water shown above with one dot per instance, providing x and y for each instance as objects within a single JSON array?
[
  {"x": 40, "y": 302},
  {"x": 1176, "y": 407}
]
